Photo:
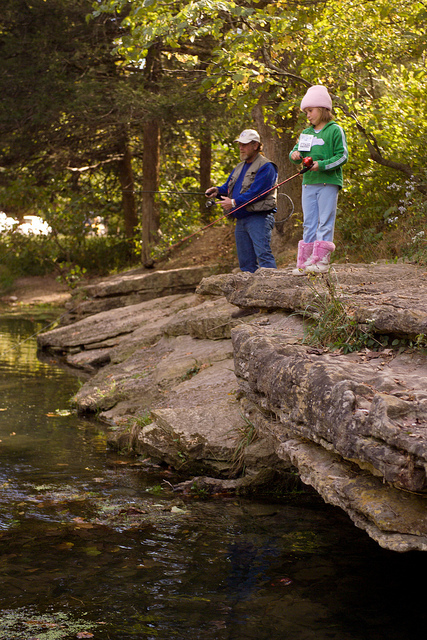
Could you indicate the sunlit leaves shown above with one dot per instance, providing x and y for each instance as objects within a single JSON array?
[{"x": 361, "y": 51}]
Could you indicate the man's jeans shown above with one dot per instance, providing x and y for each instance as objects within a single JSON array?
[{"x": 253, "y": 236}]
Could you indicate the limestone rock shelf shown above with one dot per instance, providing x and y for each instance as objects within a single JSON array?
[{"x": 179, "y": 379}]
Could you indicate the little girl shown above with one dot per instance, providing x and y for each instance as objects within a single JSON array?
[{"x": 325, "y": 142}]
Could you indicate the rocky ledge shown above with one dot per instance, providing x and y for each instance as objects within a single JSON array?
[{"x": 181, "y": 381}]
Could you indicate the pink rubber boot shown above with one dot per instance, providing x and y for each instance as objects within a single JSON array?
[
  {"x": 305, "y": 250},
  {"x": 321, "y": 256}
]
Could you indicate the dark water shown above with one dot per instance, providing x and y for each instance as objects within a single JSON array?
[{"x": 91, "y": 546}]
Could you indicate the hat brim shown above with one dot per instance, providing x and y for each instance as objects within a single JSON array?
[{"x": 245, "y": 140}]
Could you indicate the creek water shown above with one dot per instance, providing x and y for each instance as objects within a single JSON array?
[{"x": 97, "y": 545}]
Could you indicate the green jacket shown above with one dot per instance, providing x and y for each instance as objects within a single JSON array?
[{"x": 329, "y": 149}]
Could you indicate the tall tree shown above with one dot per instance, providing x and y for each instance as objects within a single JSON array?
[{"x": 64, "y": 106}]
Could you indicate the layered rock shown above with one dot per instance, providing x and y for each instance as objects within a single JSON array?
[
  {"x": 132, "y": 287},
  {"x": 173, "y": 385},
  {"x": 390, "y": 298},
  {"x": 374, "y": 413},
  {"x": 356, "y": 431}
]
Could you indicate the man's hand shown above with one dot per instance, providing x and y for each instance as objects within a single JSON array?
[
  {"x": 226, "y": 203},
  {"x": 212, "y": 191}
]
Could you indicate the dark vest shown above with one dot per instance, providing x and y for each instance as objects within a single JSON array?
[{"x": 268, "y": 202}]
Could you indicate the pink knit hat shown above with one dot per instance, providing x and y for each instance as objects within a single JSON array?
[{"x": 316, "y": 96}]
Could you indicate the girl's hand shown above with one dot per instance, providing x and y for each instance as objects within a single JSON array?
[
  {"x": 315, "y": 166},
  {"x": 296, "y": 156}
]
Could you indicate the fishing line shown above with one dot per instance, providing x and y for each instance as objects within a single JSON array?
[{"x": 283, "y": 220}]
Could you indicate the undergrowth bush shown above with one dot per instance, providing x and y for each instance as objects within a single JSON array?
[
  {"x": 6, "y": 279},
  {"x": 331, "y": 324},
  {"x": 381, "y": 219},
  {"x": 27, "y": 255},
  {"x": 35, "y": 255},
  {"x": 98, "y": 255}
]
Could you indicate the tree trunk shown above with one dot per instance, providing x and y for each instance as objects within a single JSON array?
[
  {"x": 288, "y": 227},
  {"x": 205, "y": 168},
  {"x": 128, "y": 195},
  {"x": 150, "y": 184}
]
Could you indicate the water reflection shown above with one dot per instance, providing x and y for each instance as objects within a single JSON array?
[{"x": 92, "y": 545}]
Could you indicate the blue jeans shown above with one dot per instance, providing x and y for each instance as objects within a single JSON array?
[
  {"x": 319, "y": 205},
  {"x": 253, "y": 236}
]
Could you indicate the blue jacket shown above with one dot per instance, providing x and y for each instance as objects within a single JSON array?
[{"x": 259, "y": 176}]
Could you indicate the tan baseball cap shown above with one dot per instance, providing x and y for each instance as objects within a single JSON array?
[{"x": 248, "y": 135}]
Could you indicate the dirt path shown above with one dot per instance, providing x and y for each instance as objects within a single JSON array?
[{"x": 37, "y": 290}]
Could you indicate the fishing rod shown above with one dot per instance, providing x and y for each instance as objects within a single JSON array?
[
  {"x": 307, "y": 162},
  {"x": 176, "y": 193}
]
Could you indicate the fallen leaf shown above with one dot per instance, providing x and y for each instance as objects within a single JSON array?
[
  {"x": 65, "y": 545},
  {"x": 84, "y": 634},
  {"x": 282, "y": 582},
  {"x": 177, "y": 510}
]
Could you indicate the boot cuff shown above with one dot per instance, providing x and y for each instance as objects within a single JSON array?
[{"x": 325, "y": 244}]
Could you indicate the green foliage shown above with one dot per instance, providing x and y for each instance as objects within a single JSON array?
[
  {"x": 199, "y": 492},
  {"x": 418, "y": 343},
  {"x": 143, "y": 419},
  {"x": 27, "y": 255},
  {"x": 331, "y": 324},
  {"x": 389, "y": 224},
  {"x": 182, "y": 210},
  {"x": 71, "y": 275},
  {"x": 71, "y": 258},
  {"x": 369, "y": 55},
  {"x": 191, "y": 371},
  {"x": 247, "y": 434},
  {"x": 83, "y": 87},
  {"x": 98, "y": 255},
  {"x": 6, "y": 279}
]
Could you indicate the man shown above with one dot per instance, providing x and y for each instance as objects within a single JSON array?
[{"x": 254, "y": 223}]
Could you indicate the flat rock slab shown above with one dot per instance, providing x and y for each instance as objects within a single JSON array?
[
  {"x": 392, "y": 298},
  {"x": 144, "y": 379},
  {"x": 125, "y": 329},
  {"x": 131, "y": 288},
  {"x": 150, "y": 282}
]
